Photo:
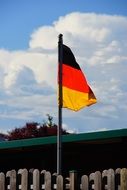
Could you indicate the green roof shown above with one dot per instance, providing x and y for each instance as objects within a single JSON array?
[{"x": 82, "y": 137}]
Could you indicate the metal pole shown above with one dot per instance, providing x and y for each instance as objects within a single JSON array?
[{"x": 59, "y": 129}]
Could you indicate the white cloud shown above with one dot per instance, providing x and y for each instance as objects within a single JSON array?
[
  {"x": 68, "y": 129},
  {"x": 99, "y": 43},
  {"x": 45, "y": 37},
  {"x": 43, "y": 68}
]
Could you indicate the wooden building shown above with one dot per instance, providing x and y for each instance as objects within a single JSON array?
[{"x": 85, "y": 152}]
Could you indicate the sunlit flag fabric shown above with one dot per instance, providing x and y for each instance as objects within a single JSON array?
[{"x": 76, "y": 93}]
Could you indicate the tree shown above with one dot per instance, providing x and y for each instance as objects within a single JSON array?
[{"x": 34, "y": 129}]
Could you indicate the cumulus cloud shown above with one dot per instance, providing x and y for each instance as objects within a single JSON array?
[
  {"x": 38, "y": 38},
  {"x": 28, "y": 79}
]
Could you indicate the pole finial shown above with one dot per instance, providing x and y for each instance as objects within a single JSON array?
[{"x": 60, "y": 37}]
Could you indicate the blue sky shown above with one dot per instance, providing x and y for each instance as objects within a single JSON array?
[
  {"x": 20, "y": 18},
  {"x": 95, "y": 30}
]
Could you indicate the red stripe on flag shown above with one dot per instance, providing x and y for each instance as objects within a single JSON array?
[{"x": 74, "y": 79}]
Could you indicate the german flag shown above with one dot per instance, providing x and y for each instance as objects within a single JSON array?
[{"x": 76, "y": 93}]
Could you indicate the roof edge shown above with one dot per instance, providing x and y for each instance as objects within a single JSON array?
[{"x": 91, "y": 136}]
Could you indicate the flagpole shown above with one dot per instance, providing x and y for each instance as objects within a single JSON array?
[{"x": 59, "y": 129}]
